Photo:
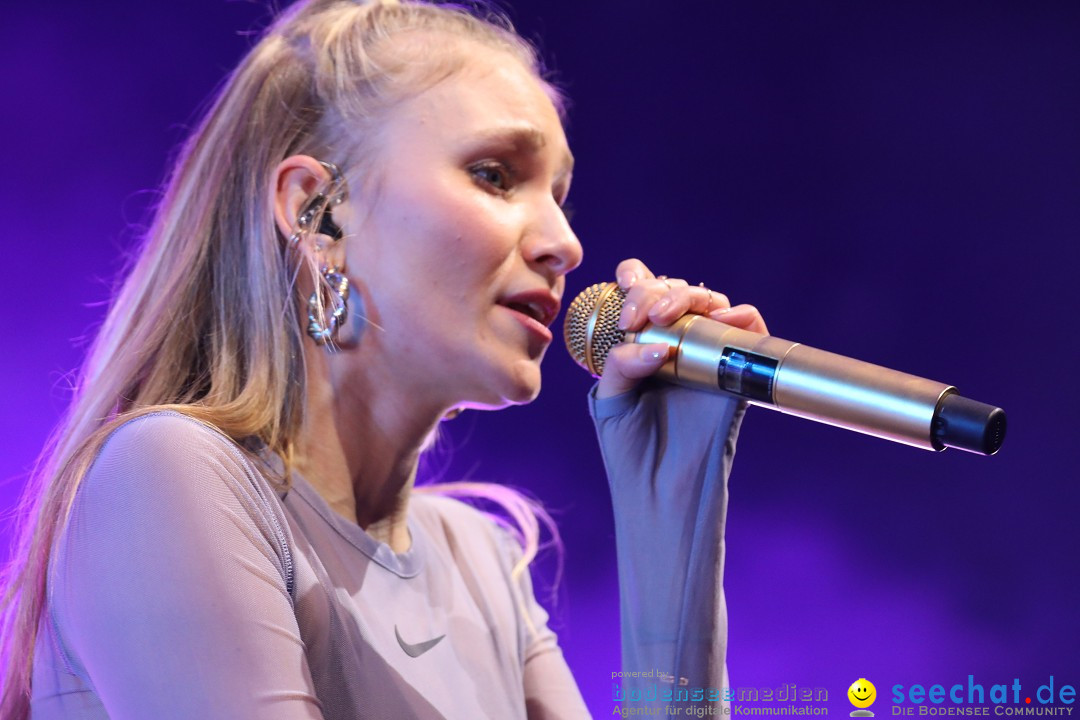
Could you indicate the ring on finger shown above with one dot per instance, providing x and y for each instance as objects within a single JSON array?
[
  {"x": 708, "y": 297},
  {"x": 663, "y": 279}
]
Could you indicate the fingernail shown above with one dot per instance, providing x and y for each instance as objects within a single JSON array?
[
  {"x": 660, "y": 306},
  {"x": 720, "y": 311},
  {"x": 629, "y": 310},
  {"x": 627, "y": 278},
  {"x": 652, "y": 352}
]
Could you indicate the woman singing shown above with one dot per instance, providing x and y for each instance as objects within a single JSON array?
[{"x": 362, "y": 237}]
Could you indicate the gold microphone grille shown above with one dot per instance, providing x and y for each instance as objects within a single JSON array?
[{"x": 591, "y": 327}]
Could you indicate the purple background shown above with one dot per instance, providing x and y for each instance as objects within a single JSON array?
[{"x": 899, "y": 182}]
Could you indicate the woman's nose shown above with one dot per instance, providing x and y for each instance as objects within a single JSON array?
[{"x": 553, "y": 243}]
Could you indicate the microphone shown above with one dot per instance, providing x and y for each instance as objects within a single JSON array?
[{"x": 790, "y": 377}]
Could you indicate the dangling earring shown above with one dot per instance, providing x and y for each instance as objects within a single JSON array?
[
  {"x": 345, "y": 323},
  {"x": 354, "y": 322},
  {"x": 321, "y": 330},
  {"x": 322, "y": 327}
]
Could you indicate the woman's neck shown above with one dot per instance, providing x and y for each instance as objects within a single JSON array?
[{"x": 360, "y": 445}]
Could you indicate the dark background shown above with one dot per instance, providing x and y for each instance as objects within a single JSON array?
[{"x": 899, "y": 182}]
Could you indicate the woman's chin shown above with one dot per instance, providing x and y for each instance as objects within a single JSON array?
[
  {"x": 519, "y": 387},
  {"x": 526, "y": 384}
]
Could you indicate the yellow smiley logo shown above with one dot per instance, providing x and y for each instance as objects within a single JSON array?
[{"x": 862, "y": 693}]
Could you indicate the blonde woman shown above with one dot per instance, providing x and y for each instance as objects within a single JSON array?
[{"x": 363, "y": 236}]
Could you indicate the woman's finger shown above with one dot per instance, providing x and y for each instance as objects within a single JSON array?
[
  {"x": 661, "y": 300},
  {"x": 626, "y": 365},
  {"x": 641, "y": 297},
  {"x": 681, "y": 299},
  {"x": 743, "y": 316},
  {"x": 713, "y": 301},
  {"x": 630, "y": 271}
]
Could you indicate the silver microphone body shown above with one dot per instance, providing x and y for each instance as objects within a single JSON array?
[
  {"x": 798, "y": 380},
  {"x": 794, "y": 378}
]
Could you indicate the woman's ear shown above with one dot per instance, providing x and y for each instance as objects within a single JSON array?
[
  {"x": 296, "y": 179},
  {"x": 305, "y": 192}
]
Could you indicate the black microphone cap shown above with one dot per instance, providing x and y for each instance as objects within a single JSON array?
[{"x": 966, "y": 424}]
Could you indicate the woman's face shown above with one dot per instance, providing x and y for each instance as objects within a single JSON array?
[{"x": 462, "y": 248}]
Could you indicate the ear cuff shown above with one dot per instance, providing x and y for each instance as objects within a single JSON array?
[
  {"x": 320, "y": 204},
  {"x": 328, "y": 306}
]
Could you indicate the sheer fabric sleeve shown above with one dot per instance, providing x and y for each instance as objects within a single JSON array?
[
  {"x": 668, "y": 452},
  {"x": 169, "y": 583},
  {"x": 551, "y": 693}
]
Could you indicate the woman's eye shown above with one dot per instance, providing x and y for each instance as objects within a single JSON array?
[{"x": 494, "y": 175}]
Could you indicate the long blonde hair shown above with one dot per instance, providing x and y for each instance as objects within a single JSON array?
[{"x": 206, "y": 321}]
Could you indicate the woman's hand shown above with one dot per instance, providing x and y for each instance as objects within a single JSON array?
[{"x": 661, "y": 301}]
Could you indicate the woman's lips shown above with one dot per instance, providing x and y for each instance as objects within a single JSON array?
[{"x": 532, "y": 324}]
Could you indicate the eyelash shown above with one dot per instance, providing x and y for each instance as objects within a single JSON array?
[{"x": 506, "y": 175}]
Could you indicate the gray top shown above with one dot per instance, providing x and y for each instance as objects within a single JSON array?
[{"x": 184, "y": 585}]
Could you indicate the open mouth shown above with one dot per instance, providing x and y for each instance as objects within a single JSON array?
[
  {"x": 539, "y": 305},
  {"x": 533, "y": 310}
]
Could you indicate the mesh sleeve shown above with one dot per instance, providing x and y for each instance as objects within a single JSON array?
[
  {"x": 550, "y": 689},
  {"x": 169, "y": 584},
  {"x": 668, "y": 453}
]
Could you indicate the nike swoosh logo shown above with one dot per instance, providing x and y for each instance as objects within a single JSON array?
[{"x": 417, "y": 649}]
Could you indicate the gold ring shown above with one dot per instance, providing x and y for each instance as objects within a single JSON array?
[{"x": 708, "y": 297}]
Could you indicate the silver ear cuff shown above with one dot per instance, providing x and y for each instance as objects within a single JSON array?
[
  {"x": 325, "y": 318},
  {"x": 319, "y": 204}
]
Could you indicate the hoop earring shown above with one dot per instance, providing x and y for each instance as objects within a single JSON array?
[{"x": 321, "y": 328}]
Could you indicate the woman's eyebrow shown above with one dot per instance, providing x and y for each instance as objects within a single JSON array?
[{"x": 521, "y": 138}]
